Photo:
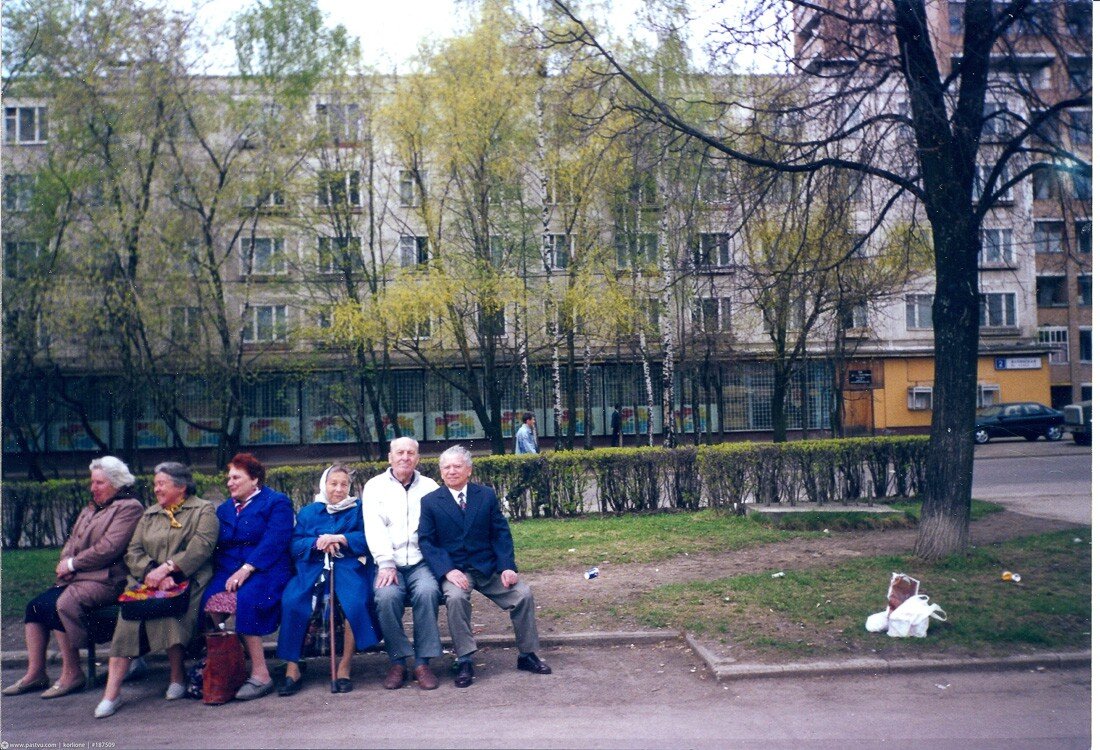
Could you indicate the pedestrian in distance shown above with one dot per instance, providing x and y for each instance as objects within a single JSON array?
[{"x": 526, "y": 440}]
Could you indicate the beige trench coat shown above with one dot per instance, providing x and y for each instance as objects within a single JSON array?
[{"x": 191, "y": 549}]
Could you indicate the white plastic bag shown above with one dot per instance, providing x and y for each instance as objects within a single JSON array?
[
  {"x": 878, "y": 622},
  {"x": 910, "y": 619}
]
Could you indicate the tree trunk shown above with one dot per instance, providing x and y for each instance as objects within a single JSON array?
[{"x": 945, "y": 514}]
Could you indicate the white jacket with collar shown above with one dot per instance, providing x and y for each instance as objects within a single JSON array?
[{"x": 391, "y": 516}]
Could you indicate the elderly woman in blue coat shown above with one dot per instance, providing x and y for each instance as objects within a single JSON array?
[
  {"x": 252, "y": 561},
  {"x": 332, "y": 524}
]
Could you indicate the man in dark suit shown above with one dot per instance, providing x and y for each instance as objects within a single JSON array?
[{"x": 466, "y": 542}]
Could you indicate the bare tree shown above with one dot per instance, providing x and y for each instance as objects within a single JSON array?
[{"x": 954, "y": 124}]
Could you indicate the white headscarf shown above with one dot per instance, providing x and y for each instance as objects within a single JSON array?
[{"x": 322, "y": 496}]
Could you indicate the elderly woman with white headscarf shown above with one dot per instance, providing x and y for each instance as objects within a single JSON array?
[{"x": 333, "y": 523}]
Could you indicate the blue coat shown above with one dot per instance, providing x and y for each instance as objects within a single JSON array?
[
  {"x": 354, "y": 580},
  {"x": 259, "y": 536},
  {"x": 477, "y": 539}
]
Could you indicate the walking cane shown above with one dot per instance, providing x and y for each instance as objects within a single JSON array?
[{"x": 331, "y": 568}]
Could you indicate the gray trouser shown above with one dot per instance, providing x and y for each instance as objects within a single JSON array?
[
  {"x": 517, "y": 600},
  {"x": 417, "y": 587}
]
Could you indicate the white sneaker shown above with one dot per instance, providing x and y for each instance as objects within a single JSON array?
[
  {"x": 107, "y": 707},
  {"x": 176, "y": 690}
]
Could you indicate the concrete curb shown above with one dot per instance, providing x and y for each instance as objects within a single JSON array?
[
  {"x": 725, "y": 670},
  {"x": 16, "y": 659}
]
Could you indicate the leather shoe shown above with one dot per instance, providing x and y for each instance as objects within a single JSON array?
[
  {"x": 425, "y": 677},
  {"x": 465, "y": 676},
  {"x": 396, "y": 677},
  {"x": 57, "y": 689},
  {"x": 26, "y": 686},
  {"x": 344, "y": 685},
  {"x": 290, "y": 687},
  {"x": 253, "y": 689},
  {"x": 532, "y": 663}
]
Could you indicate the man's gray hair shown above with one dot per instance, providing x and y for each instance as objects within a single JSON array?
[
  {"x": 117, "y": 473},
  {"x": 416, "y": 445},
  {"x": 457, "y": 451},
  {"x": 180, "y": 474}
]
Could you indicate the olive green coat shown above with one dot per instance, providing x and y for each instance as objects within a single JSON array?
[{"x": 191, "y": 549}]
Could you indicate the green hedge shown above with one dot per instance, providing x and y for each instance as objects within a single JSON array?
[{"x": 571, "y": 483}]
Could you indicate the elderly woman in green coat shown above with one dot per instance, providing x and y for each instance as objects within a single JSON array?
[{"x": 174, "y": 541}]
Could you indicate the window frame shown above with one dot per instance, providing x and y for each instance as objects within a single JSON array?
[
  {"x": 276, "y": 252},
  {"x": 914, "y": 305},
  {"x": 13, "y": 125},
  {"x": 1004, "y": 310},
  {"x": 279, "y": 328}
]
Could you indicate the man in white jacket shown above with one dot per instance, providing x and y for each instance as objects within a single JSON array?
[{"x": 391, "y": 513}]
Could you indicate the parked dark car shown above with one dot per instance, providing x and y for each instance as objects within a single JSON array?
[
  {"x": 1027, "y": 420},
  {"x": 1079, "y": 421}
]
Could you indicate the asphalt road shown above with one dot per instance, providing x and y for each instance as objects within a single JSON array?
[
  {"x": 652, "y": 696},
  {"x": 1048, "y": 480}
]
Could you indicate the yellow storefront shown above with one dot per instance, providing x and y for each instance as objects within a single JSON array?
[{"x": 896, "y": 393}]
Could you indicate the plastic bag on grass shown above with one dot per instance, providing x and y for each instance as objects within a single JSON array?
[{"x": 911, "y": 618}]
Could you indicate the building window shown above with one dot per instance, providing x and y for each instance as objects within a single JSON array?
[
  {"x": 989, "y": 394},
  {"x": 1084, "y": 290},
  {"x": 341, "y": 120},
  {"x": 1080, "y": 127},
  {"x": 918, "y": 311},
  {"x": 19, "y": 257},
  {"x": 1050, "y": 291},
  {"x": 1082, "y": 185},
  {"x": 1044, "y": 184},
  {"x": 714, "y": 184},
  {"x": 25, "y": 125},
  {"x": 1079, "y": 18},
  {"x": 414, "y": 250},
  {"x": 920, "y": 398},
  {"x": 559, "y": 190},
  {"x": 418, "y": 329},
  {"x": 491, "y": 324},
  {"x": 997, "y": 247},
  {"x": 854, "y": 316},
  {"x": 560, "y": 250},
  {"x": 263, "y": 256},
  {"x": 982, "y": 177},
  {"x": 633, "y": 250},
  {"x": 1048, "y": 237},
  {"x": 1057, "y": 338},
  {"x": 1084, "y": 237},
  {"x": 334, "y": 254},
  {"x": 185, "y": 324},
  {"x": 338, "y": 189},
  {"x": 996, "y": 120},
  {"x": 997, "y": 310},
  {"x": 408, "y": 192},
  {"x": 18, "y": 192},
  {"x": 1084, "y": 340},
  {"x": 712, "y": 250},
  {"x": 264, "y": 323},
  {"x": 713, "y": 315}
]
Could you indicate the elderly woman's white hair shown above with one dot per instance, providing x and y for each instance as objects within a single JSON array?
[{"x": 117, "y": 473}]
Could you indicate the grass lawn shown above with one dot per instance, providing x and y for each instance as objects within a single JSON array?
[
  {"x": 821, "y": 611},
  {"x": 24, "y": 574},
  {"x": 546, "y": 544}
]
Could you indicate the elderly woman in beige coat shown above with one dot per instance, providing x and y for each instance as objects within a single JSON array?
[
  {"x": 90, "y": 574},
  {"x": 174, "y": 541}
]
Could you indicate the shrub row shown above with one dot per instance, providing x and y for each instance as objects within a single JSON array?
[{"x": 570, "y": 483}]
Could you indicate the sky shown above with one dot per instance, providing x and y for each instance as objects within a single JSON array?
[{"x": 389, "y": 32}]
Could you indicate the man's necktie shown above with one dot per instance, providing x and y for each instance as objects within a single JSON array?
[{"x": 462, "y": 500}]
